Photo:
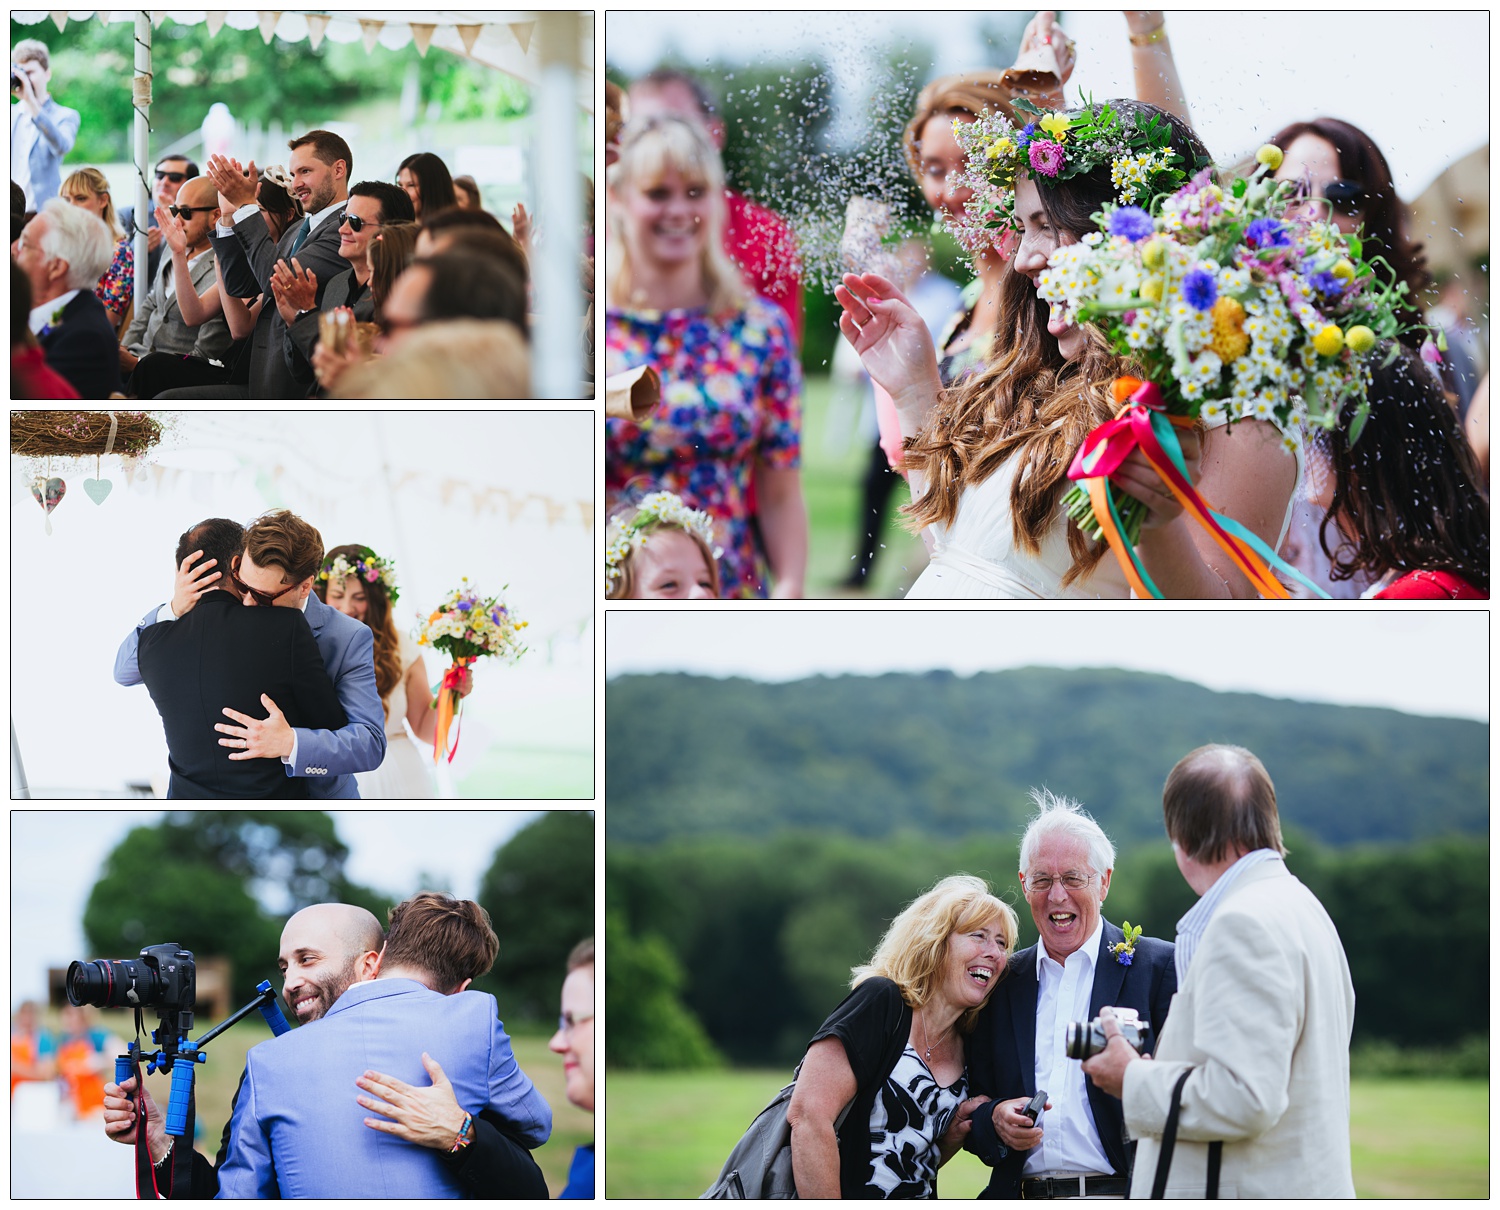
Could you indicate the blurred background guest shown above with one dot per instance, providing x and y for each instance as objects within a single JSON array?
[
  {"x": 89, "y": 188},
  {"x": 42, "y": 131},
  {"x": 426, "y": 181},
  {"x": 466, "y": 193},
  {"x": 574, "y": 1041}
]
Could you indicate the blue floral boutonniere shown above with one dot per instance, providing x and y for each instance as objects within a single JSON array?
[
  {"x": 1124, "y": 951},
  {"x": 52, "y": 321}
]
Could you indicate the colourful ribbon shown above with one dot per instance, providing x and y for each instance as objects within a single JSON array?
[
  {"x": 1144, "y": 424},
  {"x": 449, "y": 710}
]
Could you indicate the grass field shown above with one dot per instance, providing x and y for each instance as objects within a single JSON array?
[
  {"x": 218, "y": 1078},
  {"x": 670, "y": 1131}
]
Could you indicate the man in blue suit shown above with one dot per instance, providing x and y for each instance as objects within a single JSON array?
[
  {"x": 42, "y": 131},
  {"x": 1077, "y": 1148},
  {"x": 281, "y": 559},
  {"x": 297, "y": 1131}
]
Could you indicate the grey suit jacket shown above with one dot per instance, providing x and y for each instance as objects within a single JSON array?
[
  {"x": 158, "y": 326},
  {"x": 56, "y": 132},
  {"x": 246, "y": 259},
  {"x": 302, "y": 336}
]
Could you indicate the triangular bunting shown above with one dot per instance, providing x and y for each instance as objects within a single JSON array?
[
  {"x": 103, "y": 15},
  {"x": 267, "y": 19},
  {"x": 215, "y": 21},
  {"x": 369, "y": 31},
  {"x": 422, "y": 36},
  {"x": 59, "y": 18},
  {"x": 317, "y": 25},
  {"x": 523, "y": 31},
  {"x": 158, "y": 15},
  {"x": 469, "y": 34}
]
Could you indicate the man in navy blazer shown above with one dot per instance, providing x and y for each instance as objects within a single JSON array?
[
  {"x": 282, "y": 556},
  {"x": 297, "y": 1131},
  {"x": 64, "y": 251},
  {"x": 1082, "y": 963}
]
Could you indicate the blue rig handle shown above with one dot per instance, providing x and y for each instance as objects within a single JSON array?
[
  {"x": 181, "y": 1098},
  {"x": 124, "y": 1068},
  {"x": 270, "y": 1012}
]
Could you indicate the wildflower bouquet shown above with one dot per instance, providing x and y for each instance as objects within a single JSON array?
[
  {"x": 466, "y": 626},
  {"x": 1233, "y": 311}
]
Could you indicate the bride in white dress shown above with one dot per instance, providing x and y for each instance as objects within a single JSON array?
[
  {"x": 358, "y": 582},
  {"x": 987, "y": 460}
]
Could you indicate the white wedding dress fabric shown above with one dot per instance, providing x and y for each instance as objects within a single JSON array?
[
  {"x": 406, "y": 771},
  {"x": 976, "y": 558}
]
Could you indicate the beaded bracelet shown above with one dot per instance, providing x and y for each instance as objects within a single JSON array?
[{"x": 463, "y": 1139}]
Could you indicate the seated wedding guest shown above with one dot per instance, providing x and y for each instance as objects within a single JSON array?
[
  {"x": 441, "y": 231},
  {"x": 574, "y": 1041},
  {"x": 661, "y": 550},
  {"x": 157, "y": 373},
  {"x": 387, "y": 257},
  {"x": 159, "y": 325},
  {"x": 453, "y": 359},
  {"x": 466, "y": 193},
  {"x": 461, "y": 284},
  {"x": 371, "y": 206},
  {"x": 171, "y": 172},
  {"x": 892, "y": 1053},
  {"x": 1406, "y": 505},
  {"x": 63, "y": 252},
  {"x": 30, "y": 375},
  {"x": 89, "y": 188},
  {"x": 426, "y": 181}
]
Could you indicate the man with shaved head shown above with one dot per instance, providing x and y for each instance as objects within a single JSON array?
[{"x": 1248, "y": 1095}]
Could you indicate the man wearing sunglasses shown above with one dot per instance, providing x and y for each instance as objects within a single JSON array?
[
  {"x": 371, "y": 206},
  {"x": 281, "y": 555},
  {"x": 158, "y": 326},
  {"x": 172, "y": 172}
]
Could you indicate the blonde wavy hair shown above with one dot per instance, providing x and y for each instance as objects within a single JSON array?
[
  {"x": 95, "y": 182},
  {"x": 912, "y": 952},
  {"x": 648, "y": 150},
  {"x": 972, "y": 93}
]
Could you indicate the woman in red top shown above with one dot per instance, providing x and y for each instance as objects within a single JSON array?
[{"x": 1406, "y": 503}]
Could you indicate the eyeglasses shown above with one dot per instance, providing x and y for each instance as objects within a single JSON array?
[
  {"x": 189, "y": 211},
  {"x": 1040, "y": 884},
  {"x": 356, "y": 224},
  {"x": 261, "y": 598},
  {"x": 175, "y": 177},
  {"x": 567, "y": 1023}
]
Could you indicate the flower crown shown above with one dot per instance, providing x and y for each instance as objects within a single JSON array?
[
  {"x": 1057, "y": 146},
  {"x": 369, "y": 567},
  {"x": 628, "y": 534}
]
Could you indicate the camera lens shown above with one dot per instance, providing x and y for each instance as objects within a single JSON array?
[{"x": 105, "y": 983}]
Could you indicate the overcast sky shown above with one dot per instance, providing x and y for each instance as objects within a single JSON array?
[
  {"x": 56, "y": 857},
  {"x": 1422, "y": 663},
  {"x": 1417, "y": 82}
]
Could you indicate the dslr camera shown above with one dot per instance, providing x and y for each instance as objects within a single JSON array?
[
  {"x": 1084, "y": 1039},
  {"x": 164, "y": 977}
]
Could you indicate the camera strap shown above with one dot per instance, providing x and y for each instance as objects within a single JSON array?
[{"x": 1169, "y": 1144}]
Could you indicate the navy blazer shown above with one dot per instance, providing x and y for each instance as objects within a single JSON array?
[
  {"x": 1001, "y": 1052},
  {"x": 82, "y": 347}
]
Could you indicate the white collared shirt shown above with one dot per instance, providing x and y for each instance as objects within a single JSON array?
[
  {"x": 1191, "y": 927},
  {"x": 1070, "y": 1139},
  {"x": 252, "y": 208},
  {"x": 41, "y": 316}
]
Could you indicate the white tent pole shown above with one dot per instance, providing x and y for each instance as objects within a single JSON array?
[
  {"x": 18, "y": 786},
  {"x": 142, "y": 102},
  {"x": 557, "y": 350}
]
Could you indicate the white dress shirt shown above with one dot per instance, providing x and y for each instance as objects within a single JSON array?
[
  {"x": 1070, "y": 1140},
  {"x": 42, "y": 315}
]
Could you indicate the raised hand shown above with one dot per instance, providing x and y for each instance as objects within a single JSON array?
[
  {"x": 892, "y": 341},
  {"x": 170, "y": 228},
  {"x": 295, "y": 288},
  {"x": 1041, "y": 33},
  {"x": 521, "y": 228},
  {"x": 153, "y": 238},
  {"x": 237, "y": 185},
  {"x": 191, "y": 582}
]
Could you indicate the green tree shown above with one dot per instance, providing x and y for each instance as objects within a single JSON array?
[
  {"x": 648, "y": 1024},
  {"x": 539, "y": 893}
]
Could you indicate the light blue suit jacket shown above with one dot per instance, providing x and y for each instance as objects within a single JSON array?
[
  {"x": 297, "y": 1130},
  {"x": 328, "y": 759}
]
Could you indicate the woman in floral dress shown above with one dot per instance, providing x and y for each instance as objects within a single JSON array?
[{"x": 730, "y": 414}]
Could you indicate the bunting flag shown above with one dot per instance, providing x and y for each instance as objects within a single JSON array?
[
  {"x": 369, "y": 32},
  {"x": 523, "y": 31},
  {"x": 267, "y": 19},
  {"x": 468, "y": 35},
  {"x": 59, "y": 17},
  {"x": 317, "y": 26},
  {"x": 215, "y": 21},
  {"x": 422, "y": 36}
]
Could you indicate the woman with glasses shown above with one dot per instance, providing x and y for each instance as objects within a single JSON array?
[
  {"x": 574, "y": 1041},
  {"x": 89, "y": 188},
  {"x": 731, "y": 384}
]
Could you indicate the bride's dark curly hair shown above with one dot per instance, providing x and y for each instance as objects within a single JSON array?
[
  {"x": 388, "y": 669},
  {"x": 1031, "y": 403}
]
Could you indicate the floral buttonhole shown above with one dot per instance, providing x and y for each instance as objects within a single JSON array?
[{"x": 1124, "y": 951}]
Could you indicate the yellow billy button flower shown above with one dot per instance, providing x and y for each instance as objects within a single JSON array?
[
  {"x": 1154, "y": 254},
  {"x": 1329, "y": 342},
  {"x": 1151, "y": 288},
  {"x": 1343, "y": 270},
  {"x": 1270, "y": 155},
  {"x": 1360, "y": 339},
  {"x": 1056, "y": 125},
  {"x": 1230, "y": 341}
]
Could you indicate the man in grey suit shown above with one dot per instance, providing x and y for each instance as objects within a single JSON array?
[
  {"x": 41, "y": 130},
  {"x": 319, "y": 166},
  {"x": 159, "y": 326},
  {"x": 371, "y": 206}
]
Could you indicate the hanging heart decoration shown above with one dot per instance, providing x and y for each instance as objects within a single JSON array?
[
  {"x": 97, "y": 489},
  {"x": 48, "y": 493}
]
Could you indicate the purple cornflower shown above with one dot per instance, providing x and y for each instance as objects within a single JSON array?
[
  {"x": 1028, "y": 132},
  {"x": 1046, "y": 157},
  {"x": 1124, "y": 958},
  {"x": 1131, "y": 222},
  {"x": 1199, "y": 289},
  {"x": 1267, "y": 233},
  {"x": 1326, "y": 284}
]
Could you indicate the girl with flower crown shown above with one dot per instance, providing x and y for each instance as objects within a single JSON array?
[
  {"x": 661, "y": 550},
  {"x": 358, "y": 582},
  {"x": 988, "y": 460}
]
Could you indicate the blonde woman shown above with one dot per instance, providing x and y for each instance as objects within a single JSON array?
[
  {"x": 731, "y": 383},
  {"x": 893, "y": 1051},
  {"x": 89, "y": 189}
]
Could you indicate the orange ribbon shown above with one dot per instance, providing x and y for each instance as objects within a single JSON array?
[{"x": 449, "y": 710}]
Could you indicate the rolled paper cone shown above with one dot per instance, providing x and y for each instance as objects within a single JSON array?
[
  {"x": 1035, "y": 72},
  {"x": 633, "y": 394}
]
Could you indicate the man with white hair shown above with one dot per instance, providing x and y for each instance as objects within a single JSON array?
[
  {"x": 1077, "y": 1145},
  {"x": 64, "y": 252}
]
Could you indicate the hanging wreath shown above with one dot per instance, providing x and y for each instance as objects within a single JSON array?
[{"x": 41, "y": 434}]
